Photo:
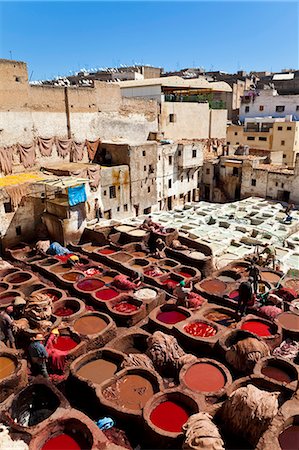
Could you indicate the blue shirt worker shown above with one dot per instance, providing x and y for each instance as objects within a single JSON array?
[{"x": 38, "y": 356}]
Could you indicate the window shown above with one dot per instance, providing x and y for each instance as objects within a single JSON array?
[
  {"x": 169, "y": 184},
  {"x": 282, "y": 142},
  {"x": 112, "y": 192},
  {"x": 194, "y": 153},
  {"x": 250, "y": 138},
  {"x": 149, "y": 189},
  {"x": 261, "y": 108},
  {"x": 170, "y": 160},
  {"x": 246, "y": 108},
  {"x": 8, "y": 207},
  {"x": 172, "y": 118},
  {"x": 151, "y": 169},
  {"x": 262, "y": 138},
  {"x": 280, "y": 108},
  {"x": 105, "y": 192},
  {"x": 147, "y": 210},
  {"x": 297, "y": 108},
  {"x": 237, "y": 143},
  {"x": 192, "y": 177},
  {"x": 284, "y": 156},
  {"x": 143, "y": 153},
  {"x": 159, "y": 157},
  {"x": 253, "y": 182},
  {"x": 18, "y": 79},
  {"x": 276, "y": 184},
  {"x": 181, "y": 196},
  {"x": 228, "y": 143},
  {"x": 236, "y": 133},
  {"x": 180, "y": 153},
  {"x": 125, "y": 208},
  {"x": 208, "y": 171},
  {"x": 18, "y": 231},
  {"x": 289, "y": 128},
  {"x": 144, "y": 168},
  {"x": 235, "y": 171},
  {"x": 279, "y": 128},
  {"x": 118, "y": 208},
  {"x": 282, "y": 185},
  {"x": 182, "y": 179}
]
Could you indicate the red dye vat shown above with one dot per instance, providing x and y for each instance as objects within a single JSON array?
[
  {"x": 200, "y": 329},
  {"x": 106, "y": 251},
  {"x": 90, "y": 284},
  {"x": 61, "y": 442},
  {"x": 125, "y": 307},
  {"x": 53, "y": 297},
  {"x": 170, "y": 282},
  {"x": 64, "y": 258},
  {"x": 204, "y": 377},
  {"x": 257, "y": 327},
  {"x": 169, "y": 416},
  {"x": 234, "y": 295},
  {"x": 185, "y": 274},
  {"x": 276, "y": 374},
  {"x": 106, "y": 294},
  {"x": 64, "y": 311},
  {"x": 64, "y": 343},
  {"x": 289, "y": 438},
  {"x": 171, "y": 317}
]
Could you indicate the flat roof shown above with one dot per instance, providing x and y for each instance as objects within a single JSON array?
[{"x": 178, "y": 82}]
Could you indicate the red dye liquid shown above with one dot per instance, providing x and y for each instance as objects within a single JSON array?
[
  {"x": 90, "y": 285},
  {"x": 64, "y": 311},
  {"x": 171, "y": 317},
  {"x": 7, "y": 297},
  {"x": 61, "y": 442},
  {"x": 106, "y": 294},
  {"x": 289, "y": 438},
  {"x": 204, "y": 377},
  {"x": 125, "y": 307},
  {"x": 107, "y": 251},
  {"x": 64, "y": 258},
  {"x": 185, "y": 274},
  {"x": 53, "y": 297},
  {"x": 19, "y": 278},
  {"x": 170, "y": 282},
  {"x": 276, "y": 374},
  {"x": 234, "y": 295},
  {"x": 256, "y": 327},
  {"x": 200, "y": 329},
  {"x": 64, "y": 343},
  {"x": 169, "y": 416}
]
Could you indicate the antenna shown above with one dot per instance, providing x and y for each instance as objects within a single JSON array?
[{"x": 10, "y": 52}]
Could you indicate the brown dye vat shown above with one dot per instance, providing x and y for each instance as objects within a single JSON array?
[
  {"x": 138, "y": 263},
  {"x": 270, "y": 277},
  {"x": 107, "y": 279},
  {"x": 72, "y": 277},
  {"x": 89, "y": 324},
  {"x": 48, "y": 262},
  {"x": 121, "y": 257},
  {"x": 54, "y": 294},
  {"x": 289, "y": 438},
  {"x": 18, "y": 278},
  {"x": 7, "y": 367},
  {"x": 5, "y": 272},
  {"x": 168, "y": 264},
  {"x": 289, "y": 321},
  {"x": 7, "y": 298},
  {"x": 98, "y": 370},
  {"x": 276, "y": 373},
  {"x": 90, "y": 247},
  {"x": 213, "y": 286},
  {"x": 61, "y": 268},
  {"x": 3, "y": 287},
  {"x": 138, "y": 254},
  {"x": 222, "y": 317},
  {"x": 131, "y": 392}
]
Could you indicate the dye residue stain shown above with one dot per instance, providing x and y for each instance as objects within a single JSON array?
[
  {"x": 289, "y": 438},
  {"x": 98, "y": 370},
  {"x": 171, "y": 317},
  {"x": 131, "y": 391},
  {"x": 200, "y": 329},
  {"x": 89, "y": 325},
  {"x": 125, "y": 307},
  {"x": 61, "y": 442},
  {"x": 169, "y": 416},
  {"x": 64, "y": 343},
  {"x": 276, "y": 373},
  {"x": 64, "y": 311},
  {"x": 90, "y": 284},
  {"x": 204, "y": 377},
  {"x": 7, "y": 367},
  {"x": 257, "y": 327}
]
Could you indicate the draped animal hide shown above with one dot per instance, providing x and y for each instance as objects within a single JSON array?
[
  {"x": 27, "y": 154},
  {"x": 45, "y": 146},
  {"x": 6, "y": 159},
  {"x": 63, "y": 147}
]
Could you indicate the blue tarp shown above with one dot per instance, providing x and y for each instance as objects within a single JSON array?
[{"x": 77, "y": 195}]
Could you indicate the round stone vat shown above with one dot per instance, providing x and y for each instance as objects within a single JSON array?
[
  {"x": 240, "y": 267},
  {"x": 138, "y": 264},
  {"x": 127, "y": 392},
  {"x": 294, "y": 306},
  {"x": 124, "y": 228},
  {"x": 289, "y": 435},
  {"x": 206, "y": 376},
  {"x": 90, "y": 247},
  {"x": 168, "y": 264},
  {"x": 48, "y": 262},
  {"x": 131, "y": 342},
  {"x": 71, "y": 277},
  {"x": 33, "y": 405},
  {"x": 30, "y": 289},
  {"x": 121, "y": 257},
  {"x": 88, "y": 285},
  {"x": 271, "y": 276},
  {"x": 103, "y": 296},
  {"x": 165, "y": 414},
  {"x": 54, "y": 293},
  {"x": 169, "y": 281},
  {"x": 166, "y": 316},
  {"x": 150, "y": 297},
  {"x": 225, "y": 317},
  {"x": 108, "y": 276},
  {"x": 231, "y": 338},
  {"x": 69, "y": 308},
  {"x": 20, "y": 279},
  {"x": 289, "y": 323},
  {"x": 105, "y": 251},
  {"x": 59, "y": 268},
  {"x": 126, "y": 310},
  {"x": 228, "y": 276},
  {"x": 212, "y": 287},
  {"x": 8, "y": 271},
  {"x": 96, "y": 328},
  {"x": 188, "y": 273},
  {"x": 4, "y": 287},
  {"x": 93, "y": 271},
  {"x": 13, "y": 373},
  {"x": 269, "y": 331},
  {"x": 278, "y": 369},
  {"x": 7, "y": 297},
  {"x": 198, "y": 335}
]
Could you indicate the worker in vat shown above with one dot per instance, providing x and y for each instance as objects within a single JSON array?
[
  {"x": 73, "y": 261},
  {"x": 176, "y": 245},
  {"x": 160, "y": 249},
  {"x": 38, "y": 356},
  {"x": 270, "y": 253},
  {"x": 18, "y": 307},
  {"x": 182, "y": 292},
  {"x": 254, "y": 273},
  {"x": 97, "y": 210},
  {"x": 6, "y": 327},
  {"x": 245, "y": 296}
]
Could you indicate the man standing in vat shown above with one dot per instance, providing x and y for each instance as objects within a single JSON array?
[
  {"x": 254, "y": 273},
  {"x": 6, "y": 324},
  {"x": 38, "y": 356},
  {"x": 270, "y": 253},
  {"x": 245, "y": 296},
  {"x": 182, "y": 292}
]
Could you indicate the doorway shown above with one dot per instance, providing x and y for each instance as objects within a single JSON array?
[{"x": 169, "y": 203}]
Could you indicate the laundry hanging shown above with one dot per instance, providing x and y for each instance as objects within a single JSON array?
[
  {"x": 6, "y": 159},
  {"x": 63, "y": 146},
  {"x": 77, "y": 194},
  {"x": 78, "y": 151},
  {"x": 45, "y": 146},
  {"x": 92, "y": 148},
  {"x": 27, "y": 154}
]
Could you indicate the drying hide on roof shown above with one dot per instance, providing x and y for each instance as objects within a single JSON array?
[
  {"x": 202, "y": 433},
  {"x": 245, "y": 353},
  {"x": 248, "y": 412}
]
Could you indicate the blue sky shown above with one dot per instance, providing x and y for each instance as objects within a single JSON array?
[{"x": 58, "y": 37}]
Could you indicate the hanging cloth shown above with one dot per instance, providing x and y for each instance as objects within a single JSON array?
[
  {"x": 92, "y": 148},
  {"x": 16, "y": 193},
  {"x": 77, "y": 194},
  {"x": 94, "y": 175},
  {"x": 6, "y": 159},
  {"x": 78, "y": 151},
  {"x": 27, "y": 154},
  {"x": 45, "y": 146},
  {"x": 63, "y": 147}
]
